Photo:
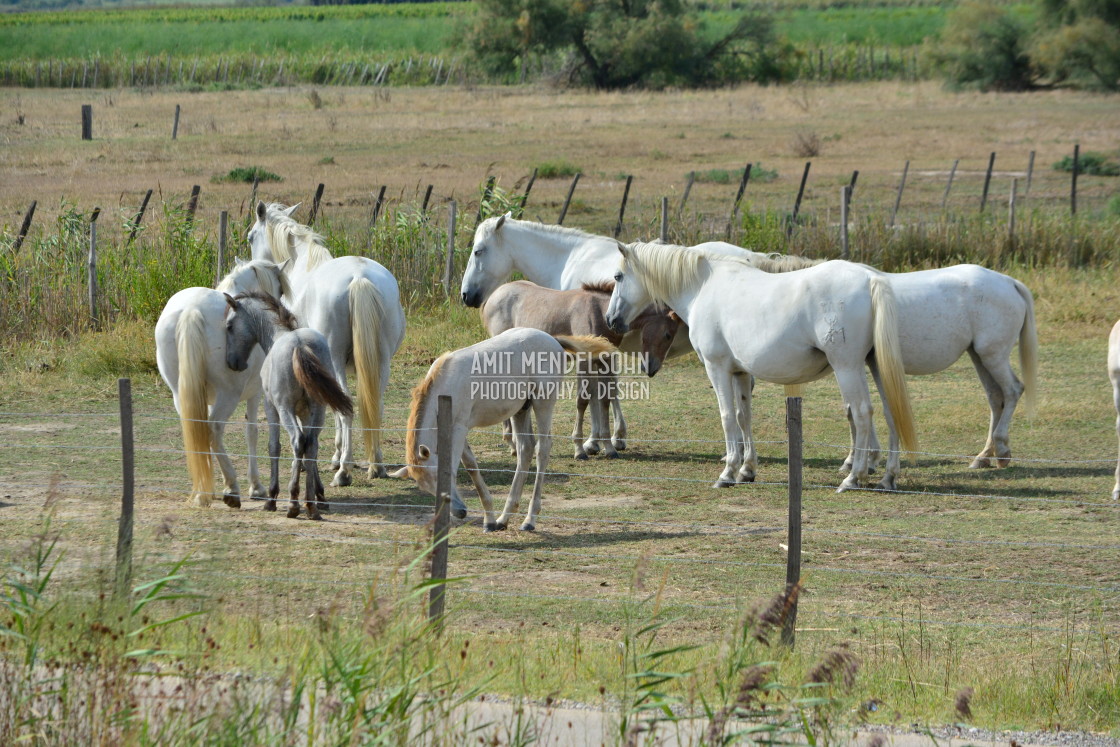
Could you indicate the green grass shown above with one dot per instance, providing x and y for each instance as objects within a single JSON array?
[{"x": 249, "y": 174}]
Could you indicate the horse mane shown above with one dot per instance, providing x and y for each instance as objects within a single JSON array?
[
  {"x": 782, "y": 262},
  {"x": 283, "y": 231},
  {"x": 265, "y": 281},
  {"x": 284, "y": 318},
  {"x": 416, "y": 412},
  {"x": 601, "y": 286},
  {"x": 576, "y": 233}
]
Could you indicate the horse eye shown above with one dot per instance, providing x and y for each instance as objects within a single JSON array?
[
  {"x": 618, "y": 277},
  {"x": 668, "y": 335}
]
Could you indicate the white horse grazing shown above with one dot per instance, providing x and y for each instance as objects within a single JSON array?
[
  {"x": 787, "y": 328},
  {"x": 190, "y": 354},
  {"x": 505, "y": 376},
  {"x": 298, "y": 385},
  {"x": 355, "y": 303},
  {"x": 1114, "y": 375}
]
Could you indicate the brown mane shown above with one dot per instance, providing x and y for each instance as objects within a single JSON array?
[
  {"x": 602, "y": 286},
  {"x": 416, "y": 413},
  {"x": 284, "y": 318}
]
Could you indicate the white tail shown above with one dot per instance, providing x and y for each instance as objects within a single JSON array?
[
  {"x": 366, "y": 312},
  {"x": 194, "y": 411},
  {"x": 1028, "y": 351},
  {"x": 888, "y": 358}
]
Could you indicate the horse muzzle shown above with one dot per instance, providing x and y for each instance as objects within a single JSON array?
[
  {"x": 652, "y": 366},
  {"x": 617, "y": 325},
  {"x": 473, "y": 299}
]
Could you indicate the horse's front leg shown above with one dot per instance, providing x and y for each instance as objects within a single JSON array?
[
  {"x": 604, "y": 385},
  {"x": 721, "y": 379},
  {"x": 743, "y": 390},
  {"x": 488, "y": 523},
  {"x": 273, "y": 456},
  {"x": 587, "y": 387},
  {"x": 620, "y": 430},
  {"x": 344, "y": 451}
]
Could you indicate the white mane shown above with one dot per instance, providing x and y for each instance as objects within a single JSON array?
[
  {"x": 274, "y": 284},
  {"x": 667, "y": 270},
  {"x": 284, "y": 231},
  {"x": 488, "y": 225}
]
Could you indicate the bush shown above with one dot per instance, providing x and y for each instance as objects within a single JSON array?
[
  {"x": 557, "y": 169},
  {"x": 249, "y": 174},
  {"x": 984, "y": 46},
  {"x": 1093, "y": 164}
]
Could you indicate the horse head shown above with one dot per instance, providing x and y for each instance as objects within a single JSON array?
[
  {"x": 260, "y": 242},
  {"x": 658, "y": 327},
  {"x": 629, "y": 296},
  {"x": 489, "y": 265}
]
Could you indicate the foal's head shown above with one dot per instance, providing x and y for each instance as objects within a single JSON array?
[
  {"x": 658, "y": 326},
  {"x": 251, "y": 319}
]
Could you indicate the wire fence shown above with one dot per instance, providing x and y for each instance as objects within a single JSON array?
[{"x": 709, "y": 567}]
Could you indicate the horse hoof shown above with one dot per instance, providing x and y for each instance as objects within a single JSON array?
[
  {"x": 592, "y": 450},
  {"x": 849, "y": 484},
  {"x": 342, "y": 480},
  {"x": 980, "y": 463},
  {"x": 746, "y": 478},
  {"x": 501, "y": 526},
  {"x": 459, "y": 513},
  {"x": 313, "y": 517},
  {"x": 887, "y": 483},
  {"x": 619, "y": 444},
  {"x": 378, "y": 473},
  {"x": 581, "y": 456},
  {"x": 269, "y": 505},
  {"x": 490, "y": 528},
  {"x": 611, "y": 455},
  {"x": 1116, "y": 494},
  {"x": 528, "y": 528},
  {"x": 293, "y": 512},
  {"x": 1004, "y": 461},
  {"x": 324, "y": 506},
  {"x": 723, "y": 483},
  {"x": 233, "y": 501}
]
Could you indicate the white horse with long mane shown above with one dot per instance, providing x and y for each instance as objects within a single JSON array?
[
  {"x": 355, "y": 303},
  {"x": 788, "y": 328},
  {"x": 190, "y": 354}
]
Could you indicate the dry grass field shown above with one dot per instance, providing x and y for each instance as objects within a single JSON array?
[{"x": 1005, "y": 581}]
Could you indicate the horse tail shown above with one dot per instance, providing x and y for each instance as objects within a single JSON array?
[
  {"x": 1028, "y": 350},
  {"x": 366, "y": 312},
  {"x": 888, "y": 358},
  {"x": 319, "y": 381},
  {"x": 585, "y": 344},
  {"x": 194, "y": 410}
]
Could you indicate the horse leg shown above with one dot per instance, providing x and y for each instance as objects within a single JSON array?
[
  {"x": 604, "y": 386},
  {"x": 314, "y": 495},
  {"x": 251, "y": 436},
  {"x": 1003, "y": 389},
  {"x": 224, "y": 405},
  {"x": 894, "y": 465},
  {"x": 488, "y": 523},
  {"x": 722, "y": 382},
  {"x": 273, "y": 455},
  {"x": 853, "y": 388},
  {"x": 588, "y": 389},
  {"x": 581, "y": 407},
  {"x": 344, "y": 446},
  {"x": 743, "y": 384},
  {"x": 297, "y": 441},
  {"x": 543, "y": 409},
  {"x": 522, "y": 435},
  {"x": 620, "y": 430},
  {"x": 507, "y": 436},
  {"x": 1116, "y": 404},
  {"x": 378, "y": 470}
]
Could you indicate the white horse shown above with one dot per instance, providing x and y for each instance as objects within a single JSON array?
[
  {"x": 298, "y": 386},
  {"x": 1114, "y": 375},
  {"x": 556, "y": 257},
  {"x": 355, "y": 303},
  {"x": 190, "y": 354},
  {"x": 517, "y": 374},
  {"x": 788, "y": 328}
]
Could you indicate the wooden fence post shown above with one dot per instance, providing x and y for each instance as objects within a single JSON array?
[
  {"x": 192, "y": 204},
  {"x": 374, "y": 213},
  {"x": 123, "y": 580},
  {"x": 949, "y": 184},
  {"x": 1073, "y": 181},
  {"x": 175, "y": 127},
  {"x": 315, "y": 204},
  {"x": 664, "y": 234},
  {"x": 25, "y": 226},
  {"x": 87, "y": 121},
  {"x": 898, "y": 197},
  {"x": 793, "y": 555},
  {"x": 91, "y": 268},
  {"x": 797, "y": 204},
  {"x": 845, "y": 201},
  {"x": 449, "y": 264},
  {"x": 738, "y": 199},
  {"x": 1011, "y": 214},
  {"x": 1030, "y": 174},
  {"x": 445, "y": 473},
  {"x": 223, "y": 229},
  {"x": 987, "y": 181},
  {"x": 687, "y": 189},
  {"x": 852, "y": 185},
  {"x": 427, "y": 197},
  {"x": 568, "y": 200},
  {"x": 139, "y": 217},
  {"x": 622, "y": 207},
  {"x": 487, "y": 192},
  {"x": 528, "y": 189}
]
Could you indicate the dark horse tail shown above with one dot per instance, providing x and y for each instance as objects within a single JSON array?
[{"x": 318, "y": 381}]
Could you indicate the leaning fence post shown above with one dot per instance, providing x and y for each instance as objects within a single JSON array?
[
  {"x": 139, "y": 217},
  {"x": 793, "y": 556},
  {"x": 223, "y": 229},
  {"x": 315, "y": 203},
  {"x": 797, "y": 204},
  {"x": 528, "y": 189},
  {"x": 442, "y": 521},
  {"x": 427, "y": 197},
  {"x": 192, "y": 205},
  {"x": 25, "y": 226},
  {"x": 449, "y": 264},
  {"x": 664, "y": 220},
  {"x": 91, "y": 268},
  {"x": 1073, "y": 181},
  {"x": 898, "y": 197},
  {"x": 622, "y": 207},
  {"x": 738, "y": 199},
  {"x": 949, "y": 184},
  {"x": 175, "y": 126},
  {"x": 568, "y": 200},
  {"x": 1011, "y": 214},
  {"x": 1030, "y": 174},
  {"x": 687, "y": 189},
  {"x": 987, "y": 181},
  {"x": 845, "y": 200},
  {"x": 487, "y": 193},
  {"x": 123, "y": 581}
]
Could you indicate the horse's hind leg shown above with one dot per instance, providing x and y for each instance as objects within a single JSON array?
[
  {"x": 588, "y": 386},
  {"x": 894, "y": 457},
  {"x": 743, "y": 388},
  {"x": 618, "y": 438},
  {"x": 507, "y": 436},
  {"x": 1002, "y": 398},
  {"x": 314, "y": 495},
  {"x": 223, "y": 408},
  {"x": 577, "y": 433},
  {"x": 544, "y": 409},
  {"x": 522, "y": 434},
  {"x": 257, "y": 488},
  {"x": 601, "y": 399},
  {"x": 273, "y": 456}
]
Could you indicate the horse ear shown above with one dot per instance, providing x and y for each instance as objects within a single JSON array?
[
  {"x": 261, "y": 210},
  {"x": 231, "y": 302},
  {"x": 283, "y": 266},
  {"x": 424, "y": 452},
  {"x": 622, "y": 248},
  {"x": 292, "y": 209},
  {"x": 502, "y": 220},
  {"x": 673, "y": 316},
  {"x": 238, "y": 262}
]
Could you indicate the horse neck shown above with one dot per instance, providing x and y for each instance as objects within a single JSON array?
[
  {"x": 538, "y": 254},
  {"x": 264, "y": 328}
]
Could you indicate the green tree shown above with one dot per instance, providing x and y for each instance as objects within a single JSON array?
[
  {"x": 624, "y": 43},
  {"x": 1079, "y": 42},
  {"x": 984, "y": 46}
]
